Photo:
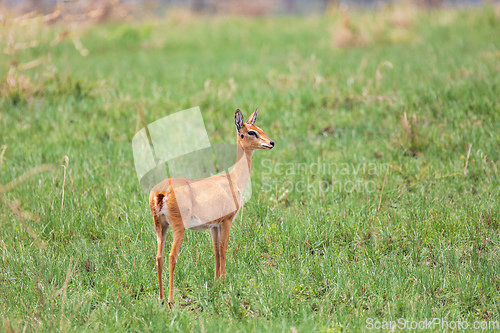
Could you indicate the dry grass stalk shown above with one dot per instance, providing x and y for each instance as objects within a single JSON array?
[
  {"x": 382, "y": 190},
  {"x": 141, "y": 118},
  {"x": 16, "y": 82},
  {"x": 79, "y": 47},
  {"x": 65, "y": 288},
  {"x": 411, "y": 137},
  {"x": 344, "y": 35},
  {"x": 22, "y": 216},
  {"x": 467, "y": 160},
  {"x": 24, "y": 19},
  {"x": 65, "y": 166},
  {"x": 31, "y": 64},
  {"x": 92, "y": 11},
  {"x": 378, "y": 74},
  {"x": 3, "y": 148},
  {"x": 347, "y": 34},
  {"x": 206, "y": 86},
  {"x": 24, "y": 177},
  {"x": 24, "y": 33},
  {"x": 389, "y": 25},
  {"x": 332, "y": 8},
  {"x": 28, "y": 31},
  {"x": 403, "y": 15},
  {"x": 52, "y": 17},
  {"x": 15, "y": 206},
  {"x": 406, "y": 125},
  {"x": 7, "y": 326}
]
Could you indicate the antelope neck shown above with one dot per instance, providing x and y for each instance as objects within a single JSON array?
[{"x": 240, "y": 174}]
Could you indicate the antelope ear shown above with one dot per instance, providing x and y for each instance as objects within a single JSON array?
[
  {"x": 238, "y": 119},
  {"x": 251, "y": 120}
]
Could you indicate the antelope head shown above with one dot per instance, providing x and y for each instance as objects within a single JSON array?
[{"x": 251, "y": 137}]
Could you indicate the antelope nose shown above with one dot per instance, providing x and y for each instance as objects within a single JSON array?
[{"x": 272, "y": 143}]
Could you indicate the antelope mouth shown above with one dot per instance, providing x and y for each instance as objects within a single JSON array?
[{"x": 267, "y": 147}]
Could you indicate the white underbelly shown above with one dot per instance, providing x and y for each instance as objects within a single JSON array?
[{"x": 195, "y": 223}]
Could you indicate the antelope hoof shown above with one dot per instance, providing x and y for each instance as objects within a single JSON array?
[{"x": 170, "y": 305}]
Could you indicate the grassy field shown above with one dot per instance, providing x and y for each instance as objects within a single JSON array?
[{"x": 380, "y": 201}]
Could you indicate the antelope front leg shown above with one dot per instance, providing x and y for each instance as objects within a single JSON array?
[
  {"x": 215, "y": 232},
  {"x": 224, "y": 239},
  {"x": 178, "y": 238}
]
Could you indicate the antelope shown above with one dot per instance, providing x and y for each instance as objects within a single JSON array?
[{"x": 209, "y": 203}]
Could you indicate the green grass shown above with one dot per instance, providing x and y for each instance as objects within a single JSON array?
[{"x": 311, "y": 250}]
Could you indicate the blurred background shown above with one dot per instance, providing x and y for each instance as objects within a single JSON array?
[{"x": 106, "y": 9}]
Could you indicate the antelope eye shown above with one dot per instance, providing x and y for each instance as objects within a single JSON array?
[{"x": 253, "y": 133}]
